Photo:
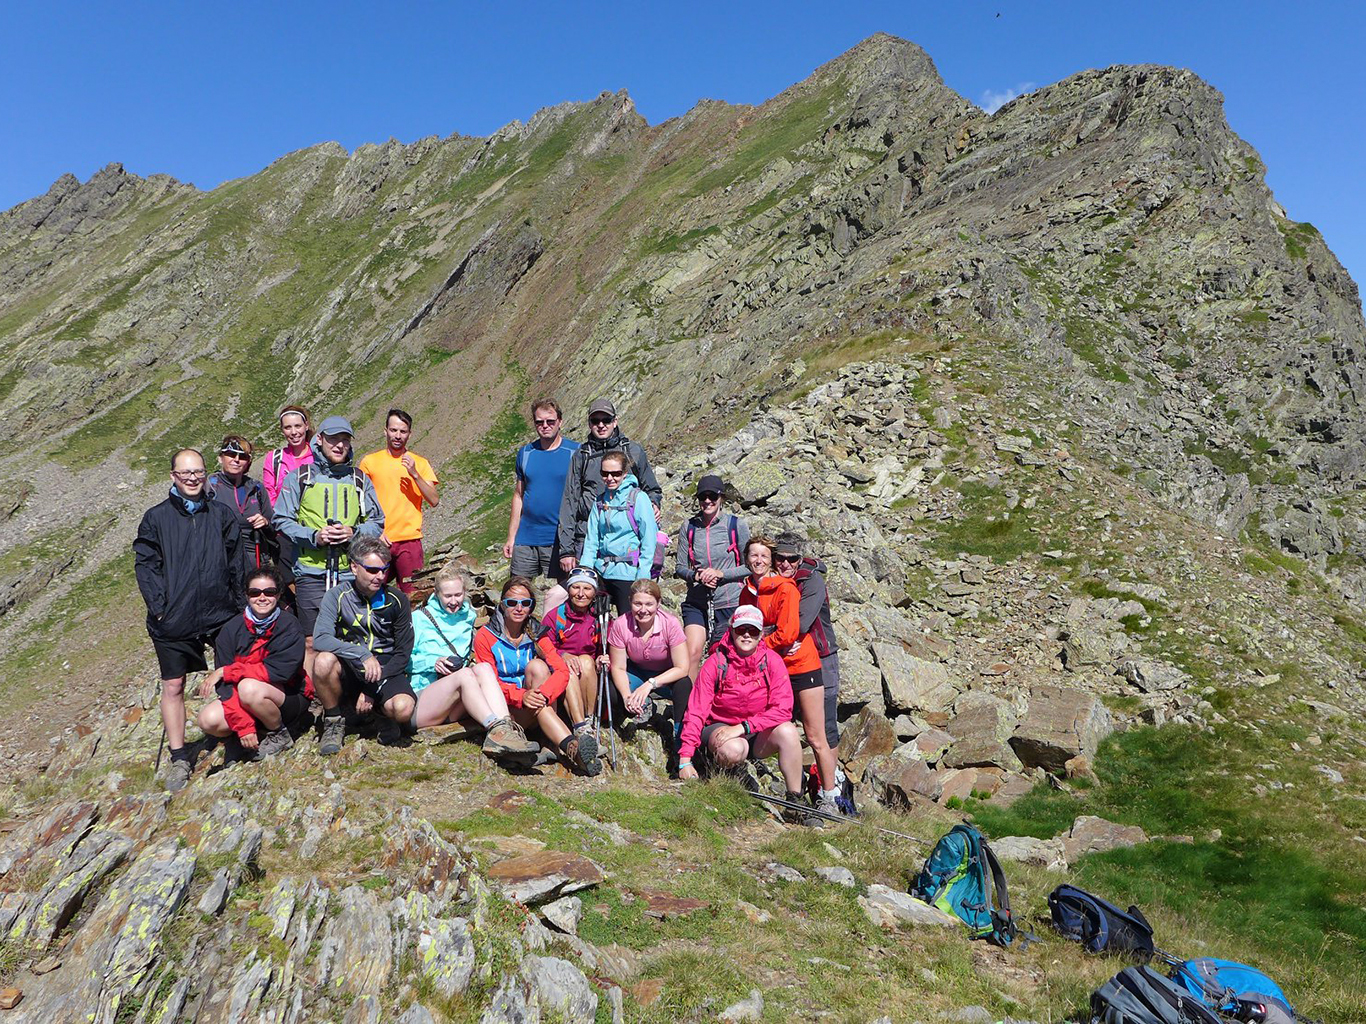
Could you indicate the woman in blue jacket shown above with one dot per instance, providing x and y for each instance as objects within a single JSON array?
[
  {"x": 622, "y": 531},
  {"x": 448, "y": 684}
]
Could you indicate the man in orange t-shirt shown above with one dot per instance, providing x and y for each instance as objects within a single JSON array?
[{"x": 403, "y": 481}]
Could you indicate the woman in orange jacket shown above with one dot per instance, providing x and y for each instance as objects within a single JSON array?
[{"x": 778, "y": 598}]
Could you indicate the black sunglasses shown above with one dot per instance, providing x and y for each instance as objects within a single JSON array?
[
  {"x": 599, "y": 421},
  {"x": 263, "y": 591}
]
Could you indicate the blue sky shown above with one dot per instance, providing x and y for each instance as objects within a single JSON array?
[{"x": 212, "y": 92}]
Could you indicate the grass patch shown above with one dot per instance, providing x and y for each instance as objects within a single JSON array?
[
  {"x": 1297, "y": 237},
  {"x": 485, "y": 473}
]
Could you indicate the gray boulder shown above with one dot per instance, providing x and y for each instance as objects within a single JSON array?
[{"x": 1060, "y": 724}]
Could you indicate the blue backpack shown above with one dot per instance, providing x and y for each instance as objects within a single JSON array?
[
  {"x": 962, "y": 877},
  {"x": 1099, "y": 925},
  {"x": 1233, "y": 988}
]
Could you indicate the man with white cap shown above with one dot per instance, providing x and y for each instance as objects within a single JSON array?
[
  {"x": 323, "y": 505},
  {"x": 583, "y": 483}
]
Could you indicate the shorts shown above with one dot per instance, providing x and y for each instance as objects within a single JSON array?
[
  {"x": 806, "y": 680},
  {"x": 389, "y": 686},
  {"x": 693, "y": 615},
  {"x": 178, "y": 658},
  {"x": 705, "y": 742},
  {"x": 407, "y": 560},
  {"x": 535, "y": 561},
  {"x": 308, "y": 597}
]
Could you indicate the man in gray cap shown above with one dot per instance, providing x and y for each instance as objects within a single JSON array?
[
  {"x": 583, "y": 483},
  {"x": 321, "y": 507}
]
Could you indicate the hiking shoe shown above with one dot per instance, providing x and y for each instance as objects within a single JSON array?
[
  {"x": 178, "y": 774},
  {"x": 275, "y": 742},
  {"x": 546, "y": 756},
  {"x": 828, "y": 805},
  {"x": 334, "y": 734},
  {"x": 800, "y": 816},
  {"x": 583, "y": 751},
  {"x": 742, "y": 775},
  {"x": 505, "y": 741}
]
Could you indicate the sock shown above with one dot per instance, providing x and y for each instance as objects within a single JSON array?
[
  {"x": 829, "y": 794},
  {"x": 412, "y": 719},
  {"x": 564, "y": 744},
  {"x": 332, "y": 712},
  {"x": 579, "y": 725},
  {"x": 180, "y": 754},
  {"x": 840, "y": 777},
  {"x": 489, "y": 719}
]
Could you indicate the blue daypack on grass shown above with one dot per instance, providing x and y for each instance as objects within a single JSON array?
[
  {"x": 1227, "y": 986},
  {"x": 1099, "y": 925},
  {"x": 962, "y": 877}
]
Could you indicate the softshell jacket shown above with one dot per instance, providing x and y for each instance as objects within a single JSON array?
[
  {"x": 613, "y": 547},
  {"x": 815, "y": 611},
  {"x": 510, "y": 658},
  {"x": 248, "y": 498},
  {"x": 430, "y": 636},
  {"x": 583, "y": 483},
  {"x": 711, "y": 549},
  {"x": 346, "y": 495},
  {"x": 756, "y": 689},
  {"x": 275, "y": 657},
  {"x": 353, "y": 628},
  {"x": 278, "y": 464},
  {"x": 780, "y": 601},
  {"x": 189, "y": 567}
]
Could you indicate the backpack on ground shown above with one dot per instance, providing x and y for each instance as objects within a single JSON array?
[
  {"x": 844, "y": 799},
  {"x": 962, "y": 877},
  {"x": 1140, "y": 995},
  {"x": 1099, "y": 925},
  {"x": 661, "y": 538},
  {"x": 1234, "y": 989}
]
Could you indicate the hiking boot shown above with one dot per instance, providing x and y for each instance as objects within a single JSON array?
[
  {"x": 800, "y": 816},
  {"x": 583, "y": 751},
  {"x": 505, "y": 741},
  {"x": 334, "y": 734},
  {"x": 547, "y": 755},
  {"x": 178, "y": 774},
  {"x": 742, "y": 775},
  {"x": 828, "y": 805},
  {"x": 275, "y": 742}
]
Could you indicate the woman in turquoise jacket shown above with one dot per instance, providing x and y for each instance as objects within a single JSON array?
[
  {"x": 449, "y": 686},
  {"x": 622, "y": 531}
]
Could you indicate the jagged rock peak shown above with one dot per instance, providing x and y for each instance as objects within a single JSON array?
[
  {"x": 68, "y": 202},
  {"x": 879, "y": 60}
]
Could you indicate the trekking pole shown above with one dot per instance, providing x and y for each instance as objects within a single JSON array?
[
  {"x": 160, "y": 747},
  {"x": 793, "y": 805},
  {"x": 605, "y": 679}
]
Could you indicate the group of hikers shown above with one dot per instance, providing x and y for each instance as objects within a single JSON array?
[{"x": 300, "y": 584}]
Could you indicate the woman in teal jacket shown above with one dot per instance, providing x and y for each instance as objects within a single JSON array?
[
  {"x": 620, "y": 544},
  {"x": 449, "y": 686}
]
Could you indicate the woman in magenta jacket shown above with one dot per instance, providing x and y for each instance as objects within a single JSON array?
[{"x": 741, "y": 705}]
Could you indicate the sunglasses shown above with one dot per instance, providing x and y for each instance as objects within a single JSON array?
[
  {"x": 710, "y": 496},
  {"x": 517, "y": 602},
  {"x": 546, "y": 423},
  {"x": 787, "y": 558},
  {"x": 374, "y": 570},
  {"x": 599, "y": 421},
  {"x": 613, "y": 473},
  {"x": 263, "y": 591},
  {"x": 748, "y": 631}
]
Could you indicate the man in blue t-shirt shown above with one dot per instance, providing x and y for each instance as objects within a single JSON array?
[{"x": 540, "y": 468}]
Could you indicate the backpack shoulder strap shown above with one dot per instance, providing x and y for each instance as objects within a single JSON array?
[
  {"x": 305, "y": 477},
  {"x": 691, "y": 533},
  {"x": 733, "y": 531},
  {"x": 998, "y": 901},
  {"x": 277, "y": 459},
  {"x": 441, "y": 633},
  {"x": 725, "y": 667},
  {"x": 631, "y": 514}
]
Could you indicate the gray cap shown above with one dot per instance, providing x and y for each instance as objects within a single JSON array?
[
  {"x": 603, "y": 405},
  {"x": 334, "y": 425}
]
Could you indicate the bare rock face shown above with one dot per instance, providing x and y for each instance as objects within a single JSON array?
[
  {"x": 982, "y": 726},
  {"x": 537, "y": 877},
  {"x": 913, "y": 684},
  {"x": 357, "y": 953},
  {"x": 1061, "y": 724},
  {"x": 1090, "y": 834}
]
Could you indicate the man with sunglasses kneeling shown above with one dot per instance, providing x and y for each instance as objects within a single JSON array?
[{"x": 363, "y": 641}]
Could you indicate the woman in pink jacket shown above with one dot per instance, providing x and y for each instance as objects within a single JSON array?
[{"x": 741, "y": 707}]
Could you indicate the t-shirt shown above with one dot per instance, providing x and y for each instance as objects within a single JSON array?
[
  {"x": 397, "y": 494},
  {"x": 650, "y": 652},
  {"x": 541, "y": 474},
  {"x": 571, "y": 632}
]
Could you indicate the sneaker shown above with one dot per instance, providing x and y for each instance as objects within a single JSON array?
[
  {"x": 584, "y": 747},
  {"x": 829, "y": 805},
  {"x": 178, "y": 774},
  {"x": 505, "y": 741},
  {"x": 275, "y": 742},
  {"x": 334, "y": 734}
]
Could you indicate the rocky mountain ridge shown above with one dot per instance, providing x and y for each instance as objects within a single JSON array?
[{"x": 1066, "y": 403}]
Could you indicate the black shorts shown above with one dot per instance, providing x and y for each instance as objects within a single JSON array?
[
  {"x": 693, "y": 615},
  {"x": 807, "y": 680},
  {"x": 389, "y": 686},
  {"x": 705, "y": 742},
  {"x": 178, "y": 658}
]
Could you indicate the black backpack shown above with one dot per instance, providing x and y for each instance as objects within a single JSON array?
[
  {"x": 1099, "y": 925},
  {"x": 1140, "y": 995}
]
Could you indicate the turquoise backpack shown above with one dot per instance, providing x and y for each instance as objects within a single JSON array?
[{"x": 962, "y": 877}]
